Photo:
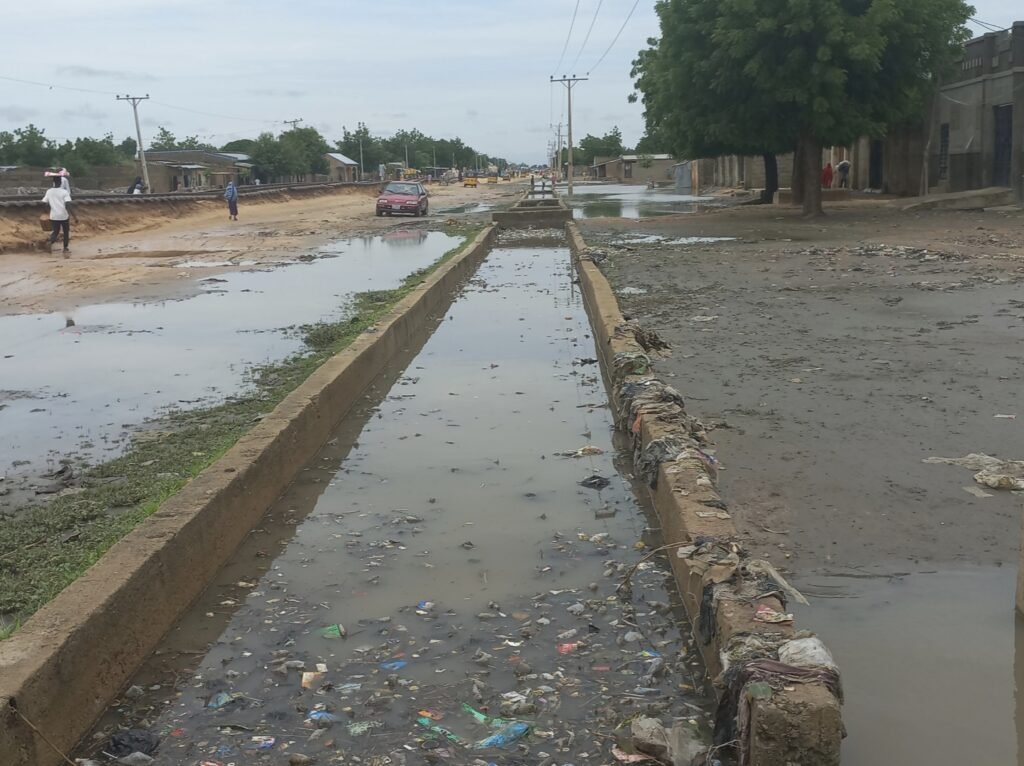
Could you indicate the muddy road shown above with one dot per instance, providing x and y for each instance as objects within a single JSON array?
[
  {"x": 451, "y": 557},
  {"x": 835, "y": 357}
]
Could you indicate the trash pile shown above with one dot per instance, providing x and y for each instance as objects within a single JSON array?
[
  {"x": 992, "y": 472},
  {"x": 569, "y": 675},
  {"x": 530, "y": 236}
]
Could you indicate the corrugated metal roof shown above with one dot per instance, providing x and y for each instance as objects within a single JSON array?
[
  {"x": 341, "y": 158},
  {"x": 638, "y": 157}
]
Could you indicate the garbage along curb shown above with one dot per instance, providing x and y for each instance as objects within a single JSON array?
[
  {"x": 69, "y": 662},
  {"x": 780, "y": 712}
]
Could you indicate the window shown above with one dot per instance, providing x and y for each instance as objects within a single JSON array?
[{"x": 944, "y": 151}]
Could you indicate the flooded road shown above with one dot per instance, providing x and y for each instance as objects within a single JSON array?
[
  {"x": 439, "y": 565},
  {"x": 922, "y": 652},
  {"x": 74, "y": 384},
  {"x": 627, "y": 201}
]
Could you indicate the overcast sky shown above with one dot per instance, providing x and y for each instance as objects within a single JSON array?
[{"x": 477, "y": 69}]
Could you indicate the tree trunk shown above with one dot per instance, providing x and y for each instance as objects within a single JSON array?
[
  {"x": 812, "y": 175},
  {"x": 796, "y": 183},
  {"x": 771, "y": 178}
]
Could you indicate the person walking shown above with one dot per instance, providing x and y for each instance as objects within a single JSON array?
[
  {"x": 231, "y": 195},
  {"x": 59, "y": 200},
  {"x": 844, "y": 174}
]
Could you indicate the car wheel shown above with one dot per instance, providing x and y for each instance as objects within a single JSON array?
[
  {"x": 380, "y": 213},
  {"x": 426, "y": 209}
]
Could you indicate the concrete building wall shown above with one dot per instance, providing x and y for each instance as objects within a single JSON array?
[
  {"x": 340, "y": 171},
  {"x": 635, "y": 172},
  {"x": 986, "y": 92}
]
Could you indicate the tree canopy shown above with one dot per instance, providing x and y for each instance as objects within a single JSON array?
[
  {"x": 164, "y": 140},
  {"x": 30, "y": 146},
  {"x": 764, "y": 76}
]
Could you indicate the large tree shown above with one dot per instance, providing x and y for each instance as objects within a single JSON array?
[{"x": 765, "y": 76}]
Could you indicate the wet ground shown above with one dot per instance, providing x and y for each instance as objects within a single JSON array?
[
  {"x": 74, "y": 385},
  {"x": 441, "y": 552},
  {"x": 627, "y": 201},
  {"x": 836, "y": 356}
]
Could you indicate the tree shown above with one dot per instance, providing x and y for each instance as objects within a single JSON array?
[
  {"x": 128, "y": 148},
  {"x": 193, "y": 142},
  {"x": 309, "y": 146},
  {"x": 241, "y": 146},
  {"x": 765, "y": 76},
  {"x": 163, "y": 141},
  {"x": 592, "y": 147}
]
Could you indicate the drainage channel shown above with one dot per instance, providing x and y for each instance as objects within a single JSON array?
[{"x": 440, "y": 585}]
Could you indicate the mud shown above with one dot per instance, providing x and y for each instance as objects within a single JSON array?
[
  {"x": 444, "y": 535},
  {"x": 834, "y": 357}
]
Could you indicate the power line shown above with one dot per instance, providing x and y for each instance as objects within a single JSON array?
[
  {"x": 51, "y": 86},
  {"x": 568, "y": 37},
  {"x": 987, "y": 25},
  {"x": 587, "y": 38},
  {"x": 616, "y": 38}
]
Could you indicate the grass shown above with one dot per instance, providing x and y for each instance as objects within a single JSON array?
[{"x": 45, "y": 548}]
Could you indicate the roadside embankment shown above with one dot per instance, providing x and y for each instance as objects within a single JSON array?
[
  {"x": 69, "y": 661},
  {"x": 110, "y": 214},
  {"x": 779, "y": 690}
]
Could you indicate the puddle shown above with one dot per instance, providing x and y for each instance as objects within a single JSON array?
[
  {"x": 458, "y": 553},
  {"x": 95, "y": 373},
  {"x": 200, "y": 264},
  {"x": 473, "y": 207},
  {"x": 931, "y": 664},
  {"x": 657, "y": 239},
  {"x": 624, "y": 201}
]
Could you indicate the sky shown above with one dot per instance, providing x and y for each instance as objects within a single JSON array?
[{"x": 476, "y": 69}]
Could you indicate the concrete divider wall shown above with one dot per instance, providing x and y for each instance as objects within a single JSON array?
[
  {"x": 777, "y": 713},
  {"x": 73, "y": 657},
  {"x": 531, "y": 212}
]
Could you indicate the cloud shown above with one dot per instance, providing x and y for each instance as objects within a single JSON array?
[
  {"x": 14, "y": 113},
  {"x": 472, "y": 114},
  {"x": 106, "y": 74},
  {"x": 276, "y": 92},
  {"x": 84, "y": 112}
]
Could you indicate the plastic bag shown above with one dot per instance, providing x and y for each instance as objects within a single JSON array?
[{"x": 806, "y": 653}]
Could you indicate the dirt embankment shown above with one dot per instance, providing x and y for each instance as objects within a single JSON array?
[
  {"x": 20, "y": 228},
  {"x": 143, "y": 253}
]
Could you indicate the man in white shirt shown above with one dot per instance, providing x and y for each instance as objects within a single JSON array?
[{"x": 59, "y": 201}]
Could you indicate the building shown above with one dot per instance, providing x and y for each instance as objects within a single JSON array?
[
  {"x": 194, "y": 169},
  {"x": 634, "y": 168},
  {"x": 341, "y": 168},
  {"x": 977, "y": 137}
]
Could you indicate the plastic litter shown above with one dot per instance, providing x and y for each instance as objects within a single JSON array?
[
  {"x": 334, "y": 631},
  {"x": 263, "y": 742},
  {"x": 595, "y": 482},
  {"x": 624, "y": 757},
  {"x": 323, "y": 719},
  {"x": 991, "y": 471},
  {"x": 806, "y": 653},
  {"x": 360, "y": 728},
  {"x": 135, "y": 759},
  {"x": 393, "y": 665},
  {"x": 132, "y": 741},
  {"x": 765, "y": 613},
  {"x": 507, "y": 735},
  {"x": 582, "y": 452}
]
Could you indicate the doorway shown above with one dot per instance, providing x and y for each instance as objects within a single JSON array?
[
  {"x": 1003, "y": 154},
  {"x": 876, "y": 161}
]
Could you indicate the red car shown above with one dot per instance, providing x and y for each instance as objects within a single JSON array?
[{"x": 403, "y": 197}]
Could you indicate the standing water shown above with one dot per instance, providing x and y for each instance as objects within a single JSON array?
[
  {"x": 441, "y": 583},
  {"x": 72, "y": 385}
]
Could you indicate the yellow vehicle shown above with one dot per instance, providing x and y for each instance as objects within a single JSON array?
[
  {"x": 492, "y": 179},
  {"x": 469, "y": 181}
]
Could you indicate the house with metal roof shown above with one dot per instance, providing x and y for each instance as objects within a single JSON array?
[
  {"x": 634, "y": 168},
  {"x": 341, "y": 168}
]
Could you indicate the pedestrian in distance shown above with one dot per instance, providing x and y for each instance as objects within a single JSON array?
[
  {"x": 844, "y": 174},
  {"x": 59, "y": 200},
  {"x": 136, "y": 184},
  {"x": 826, "y": 176},
  {"x": 231, "y": 195}
]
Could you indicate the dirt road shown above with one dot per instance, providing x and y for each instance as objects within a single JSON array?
[
  {"x": 138, "y": 255},
  {"x": 836, "y": 356}
]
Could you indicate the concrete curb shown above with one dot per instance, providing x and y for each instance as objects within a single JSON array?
[
  {"x": 534, "y": 212},
  {"x": 73, "y": 657},
  {"x": 778, "y": 704}
]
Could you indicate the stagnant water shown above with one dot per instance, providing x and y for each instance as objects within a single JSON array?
[
  {"x": 632, "y": 201},
  {"x": 71, "y": 386},
  {"x": 439, "y": 553}
]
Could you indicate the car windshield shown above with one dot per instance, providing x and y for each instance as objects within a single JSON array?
[{"x": 401, "y": 189}]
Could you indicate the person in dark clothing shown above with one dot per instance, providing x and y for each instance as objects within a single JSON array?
[
  {"x": 135, "y": 183},
  {"x": 231, "y": 195}
]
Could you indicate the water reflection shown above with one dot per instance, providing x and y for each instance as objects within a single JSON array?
[{"x": 622, "y": 201}]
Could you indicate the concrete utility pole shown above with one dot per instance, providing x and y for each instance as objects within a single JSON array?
[
  {"x": 138, "y": 133},
  {"x": 556, "y": 163},
  {"x": 293, "y": 123},
  {"x": 569, "y": 82},
  {"x": 361, "y": 171}
]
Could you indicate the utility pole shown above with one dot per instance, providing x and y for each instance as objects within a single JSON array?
[
  {"x": 557, "y": 162},
  {"x": 569, "y": 82},
  {"x": 407, "y": 156},
  {"x": 138, "y": 133},
  {"x": 361, "y": 171},
  {"x": 293, "y": 123}
]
